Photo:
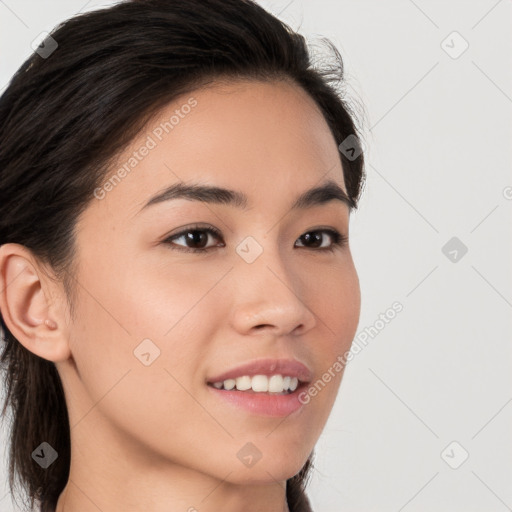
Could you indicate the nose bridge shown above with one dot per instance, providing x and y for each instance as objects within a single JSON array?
[{"x": 268, "y": 292}]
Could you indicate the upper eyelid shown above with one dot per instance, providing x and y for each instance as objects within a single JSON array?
[
  {"x": 217, "y": 232},
  {"x": 207, "y": 229}
]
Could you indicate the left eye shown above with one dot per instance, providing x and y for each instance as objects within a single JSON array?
[
  {"x": 199, "y": 236},
  {"x": 316, "y": 236}
]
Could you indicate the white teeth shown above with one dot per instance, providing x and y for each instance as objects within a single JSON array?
[
  {"x": 243, "y": 383},
  {"x": 275, "y": 384},
  {"x": 229, "y": 384},
  {"x": 260, "y": 384}
]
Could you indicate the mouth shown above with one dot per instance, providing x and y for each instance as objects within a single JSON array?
[
  {"x": 275, "y": 385},
  {"x": 260, "y": 403},
  {"x": 268, "y": 387},
  {"x": 252, "y": 392}
]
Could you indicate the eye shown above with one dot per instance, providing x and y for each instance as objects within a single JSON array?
[
  {"x": 315, "y": 237},
  {"x": 195, "y": 236}
]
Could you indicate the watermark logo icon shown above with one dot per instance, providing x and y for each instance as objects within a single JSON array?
[
  {"x": 249, "y": 455},
  {"x": 351, "y": 147},
  {"x": 454, "y": 45},
  {"x": 454, "y": 249},
  {"x": 249, "y": 249},
  {"x": 455, "y": 455},
  {"x": 146, "y": 352},
  {"x": 44, "y": 45},
  {"x": 44, "y": 455}
]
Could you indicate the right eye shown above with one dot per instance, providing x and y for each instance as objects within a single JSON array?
[{"x": 194, "y": 235}]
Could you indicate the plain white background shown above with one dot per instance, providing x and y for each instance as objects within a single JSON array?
[{"x": 424, "y": 414}]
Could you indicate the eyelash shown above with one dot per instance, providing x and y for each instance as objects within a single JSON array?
[{"x": 339, "y": 240}]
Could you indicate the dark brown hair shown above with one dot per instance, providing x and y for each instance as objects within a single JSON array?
[{"x": 63, "y": 120}]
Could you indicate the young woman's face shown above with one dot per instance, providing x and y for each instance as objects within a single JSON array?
[{"x": 156, "y": 322}]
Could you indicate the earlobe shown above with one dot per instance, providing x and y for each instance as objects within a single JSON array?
[{"x": 26, "y": 305}]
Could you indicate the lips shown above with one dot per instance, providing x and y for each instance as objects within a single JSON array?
[{"x": 267, "y": 367}]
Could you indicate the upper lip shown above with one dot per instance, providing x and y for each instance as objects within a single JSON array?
[{"x": 285, "y": 367}]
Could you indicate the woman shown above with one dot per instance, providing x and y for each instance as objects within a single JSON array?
[{"x": 177, "y": 285}]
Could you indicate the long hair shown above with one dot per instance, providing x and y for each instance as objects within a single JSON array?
[{"x": 64, "y": 118}]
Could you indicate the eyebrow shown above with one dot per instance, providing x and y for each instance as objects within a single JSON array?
[{"x": 324, "y": 193}]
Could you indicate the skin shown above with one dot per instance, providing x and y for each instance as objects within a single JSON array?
[{"x": 154, "y": 437}]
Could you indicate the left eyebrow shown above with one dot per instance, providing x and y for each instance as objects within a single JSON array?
[{"x": 324, "y": 193}]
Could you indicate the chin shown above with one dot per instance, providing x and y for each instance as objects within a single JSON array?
[
  {"x": 263, "y": 475},
  {"x": 271, "y": 468}
]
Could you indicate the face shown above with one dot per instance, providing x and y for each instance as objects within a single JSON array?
[{"x": 156, "y": 320}]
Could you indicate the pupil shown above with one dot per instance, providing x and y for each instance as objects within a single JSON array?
[
  {"x": 316, "y": 235},
  {"x": 193, "y": 235}
]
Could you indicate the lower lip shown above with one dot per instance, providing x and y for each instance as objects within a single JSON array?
[{"x": 262, "y": 403}]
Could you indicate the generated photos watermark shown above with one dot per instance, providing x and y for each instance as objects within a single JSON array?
[
  {"x": 151, "y": 142},
  {"x": 359, "y": 342}
]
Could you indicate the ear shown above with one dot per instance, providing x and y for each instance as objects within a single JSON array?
[{"x": 32, "y": 304}]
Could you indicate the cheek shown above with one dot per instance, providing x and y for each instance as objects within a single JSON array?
[
  {"x": 335, "y": 300},
  {"x": 128, "y": 324},
  {"x": 148, "y": 403},
  {"x": 337, "y": 303},
  {"x": 163, "y": 295}
]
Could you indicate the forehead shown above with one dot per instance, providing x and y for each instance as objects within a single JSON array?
[{"x": 268, "y": 139}]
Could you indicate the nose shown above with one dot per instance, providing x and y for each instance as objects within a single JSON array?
[{"x": 270, "y": 298}]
